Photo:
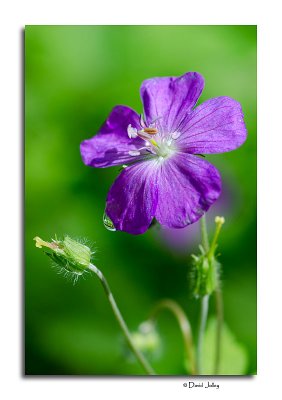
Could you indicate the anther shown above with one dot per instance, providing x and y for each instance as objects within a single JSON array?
[{"x": 151, "y": 131}]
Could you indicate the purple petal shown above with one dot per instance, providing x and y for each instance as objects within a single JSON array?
[
  {"x": 111, "y": 145},
  {"x": 216, "y": 126},
  {"x": 170, "y": 99},
  {"x": 188, "y": 186},
  {"x": 132, "y": 199}
]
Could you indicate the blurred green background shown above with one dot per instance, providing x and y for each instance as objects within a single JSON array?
[{"x": 74, "y": 75}]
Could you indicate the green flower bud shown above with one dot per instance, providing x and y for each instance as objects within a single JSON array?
[
  {"x": 204, "y": 274},
  {"x": 77, "y": 252},
  {"x": 73, "y": 256},
  {"x": 146, "y": 338}
]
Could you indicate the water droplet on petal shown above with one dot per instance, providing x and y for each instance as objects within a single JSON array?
[{"x": 108, "y": 223}]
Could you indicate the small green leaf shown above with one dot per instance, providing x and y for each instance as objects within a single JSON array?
[{"x": 234, "y": 358}]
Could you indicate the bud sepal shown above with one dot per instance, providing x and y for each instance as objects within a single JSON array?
[{"x": 205, "y": 275}]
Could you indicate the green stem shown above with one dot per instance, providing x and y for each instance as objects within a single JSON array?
[
  {"x": 184, "y": 325},
  {"x": 219, "y": 316},
  {"x": 204, "y": 300},
  {"x": 202, "y": 327},
  {"x": 149, "y": 370},
  {"x": 204, "y": 234},
  {"x": 213, "y": 245}
]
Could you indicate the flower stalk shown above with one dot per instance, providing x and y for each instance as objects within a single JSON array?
[
  {"x": 184, "y": 325},
  {"x": 204, "y": 234},
  {"x": 146, "y": 366},
  {"x": 218, "y": 298},
  {"x": 219, "y": 326},
  {"x": 219, "y": 221},
  {"x": 202, "y": 328},
  {"x": 204, "y": 301},
  {"x": 207, "y": 282}
]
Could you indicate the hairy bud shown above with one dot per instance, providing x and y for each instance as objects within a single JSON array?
[{"x": 73, "y": 256}]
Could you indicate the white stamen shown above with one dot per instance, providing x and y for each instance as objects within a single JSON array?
[
  {"x": 154, "y": 145},
  {"x": 132, "y": 132},
  {"x": 142, "y": 122},
  {"x": 144, "y": 135},
  {"x": 134, "y": 153}
]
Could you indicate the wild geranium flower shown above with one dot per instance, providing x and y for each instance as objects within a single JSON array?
[{"x": 164, "y": 175}]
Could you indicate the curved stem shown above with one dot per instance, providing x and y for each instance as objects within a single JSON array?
[
  {"x": 219, "y": 316},
  {"x": 147, "y": 367},
  {"x": 202, "y": 327},
  {"x": 184, "y": 325}
]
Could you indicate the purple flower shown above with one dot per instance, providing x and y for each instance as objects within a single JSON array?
[{"x": 164, "y": 177}]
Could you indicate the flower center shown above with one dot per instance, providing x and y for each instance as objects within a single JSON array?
[
  {"x": 155, "y": 144},
  {"x": 165, "y": 147}
]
